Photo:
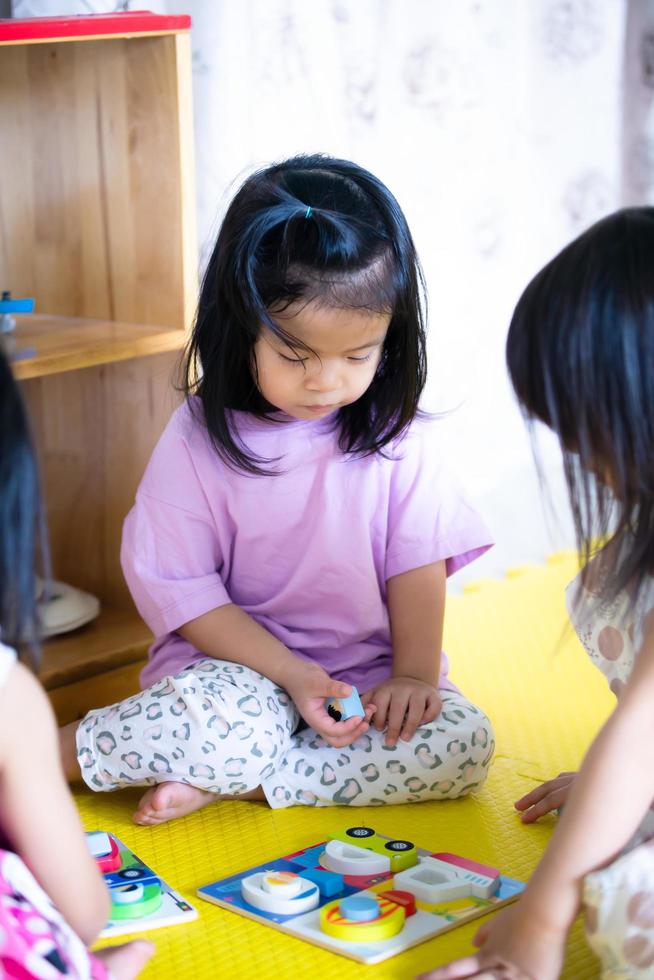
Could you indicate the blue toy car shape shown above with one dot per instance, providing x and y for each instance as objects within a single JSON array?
[{"x": 135, "y": 874}]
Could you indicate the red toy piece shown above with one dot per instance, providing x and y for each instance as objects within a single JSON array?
[
  {"x": 405, "y": 899},
  {"x": 105, "y": 851}
]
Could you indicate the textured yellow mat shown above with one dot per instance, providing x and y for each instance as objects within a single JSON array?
[{"x": 510, "y": 653}]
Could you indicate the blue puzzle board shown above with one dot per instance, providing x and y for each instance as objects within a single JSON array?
[{"x": 427, "y": 922}]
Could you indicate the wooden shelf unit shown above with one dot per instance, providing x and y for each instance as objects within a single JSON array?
[
  {"x": 118, "y": 637},
  {"x": 51, "y": 344},
  {"x": 97, "y": 210}
]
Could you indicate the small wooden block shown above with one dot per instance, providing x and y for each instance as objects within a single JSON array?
[
  {"x": 388, "y": 923},
  {"x": 433, "y": 881},
  {"x": 348, "y": 859},
  {"x": 328, "y": 883},
  {"x": 405, "y": 899},
  {"x": 340, "y": 709}
]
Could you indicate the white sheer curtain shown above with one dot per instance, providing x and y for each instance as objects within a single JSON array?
[
  {"x": 498, "y": 127},
  {"x": 504, "y": 128}
]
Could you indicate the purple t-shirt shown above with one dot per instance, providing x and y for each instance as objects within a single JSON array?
[{"x": 306, "y": 553}]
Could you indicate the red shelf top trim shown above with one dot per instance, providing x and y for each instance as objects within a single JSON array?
[{"x": 91, "y": 25}]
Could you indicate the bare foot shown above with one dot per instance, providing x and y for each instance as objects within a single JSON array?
[
  {"x": 126, "y": 962},
  {"x": 168, "y": 801}
]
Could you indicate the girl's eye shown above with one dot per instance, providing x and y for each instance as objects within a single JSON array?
[
  {"x": 293, "y": 360},
  {"x": 360, "y": 360}
]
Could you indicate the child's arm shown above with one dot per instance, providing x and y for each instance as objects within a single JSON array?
[
  {"x": 609, "y": 797},
  {"x": 416, "y": 607},
  {"x": 229, "y": 633},
  {"x": 37, "y": 812}
]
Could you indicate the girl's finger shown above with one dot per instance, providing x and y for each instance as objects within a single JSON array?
[
  {"x": 338, "y": 728},
  {"x": 550, "y": 802},
  {"x": 339, "y": 742},
  {"x": 432, "y": 708},
  {"x": 562, "y": 780},
  {"x": 414, "y": 715},
  {"x": 337, "y": 689},
  {"x": 537, "y": 794},
  {"x": 382, "y": 702},
  {"x": 395, "y": 720},
  {"x": 468, "y": 967}
]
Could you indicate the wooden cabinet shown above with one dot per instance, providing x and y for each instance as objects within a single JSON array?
[{"x": 97, "y": 223}]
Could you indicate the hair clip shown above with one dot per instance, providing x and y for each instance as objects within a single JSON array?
[{"x": 308, "y": 212}]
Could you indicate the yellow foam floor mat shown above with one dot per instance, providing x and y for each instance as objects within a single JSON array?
[{"x": 511, "y": 654}]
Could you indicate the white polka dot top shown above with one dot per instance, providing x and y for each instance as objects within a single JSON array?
[{"x": 610, "y": 630}]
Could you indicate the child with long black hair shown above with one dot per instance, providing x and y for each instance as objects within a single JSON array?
[
  {"x": 581, "y": 357},
  {"x": 53, "y": 899},
  {"x": 293, "y": 531}
]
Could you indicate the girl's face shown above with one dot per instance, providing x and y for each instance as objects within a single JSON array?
[{"x": 345, "y": 349}]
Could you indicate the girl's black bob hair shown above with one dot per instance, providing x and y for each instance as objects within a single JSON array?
[
  {"x": 580, "y": 353},
  {"x": 21, "y": 524},
  {"x": 308, "y": 229}
]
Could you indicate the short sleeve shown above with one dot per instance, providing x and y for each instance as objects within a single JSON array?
[
  {"x": 430, "y": 518},
  {"x": 171, "y": 553}
]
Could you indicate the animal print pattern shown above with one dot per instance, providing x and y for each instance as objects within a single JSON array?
[{"x": 227, "y": 729}]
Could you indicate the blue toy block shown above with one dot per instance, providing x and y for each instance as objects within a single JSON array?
[
  {"x": 9, "y": 305},
  {"x": 359, "y": 908},
  {"x": 133, "y": 874},
  {"x": 340, "y": 709},
  {"x": 329, "y": 884}
]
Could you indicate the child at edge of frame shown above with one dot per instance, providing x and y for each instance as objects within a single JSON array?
[{"x": 580, "y": 353}]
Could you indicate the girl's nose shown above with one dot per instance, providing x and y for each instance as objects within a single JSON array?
[{"x": 323, "y": 377}]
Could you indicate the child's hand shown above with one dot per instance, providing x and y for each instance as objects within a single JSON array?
[
  {"x": 309, "y": 685},
  {"x": 546, "y": 797},
  {"x": 514, "y": 946},
  {"x": 401, "y": 705}
]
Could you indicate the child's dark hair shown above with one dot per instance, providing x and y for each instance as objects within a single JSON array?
[
  {"x": 580, "y": 353},
  {"x": 312, "y": 228},
  {"x": 20, "y": 519}
]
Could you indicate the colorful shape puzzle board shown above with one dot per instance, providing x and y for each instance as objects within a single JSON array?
[
  {"x": 364, "y": 895},
  {"x": 140, "y": 898}
]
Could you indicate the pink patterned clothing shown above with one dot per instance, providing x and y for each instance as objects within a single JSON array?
[{"x": 35, "y": 940}]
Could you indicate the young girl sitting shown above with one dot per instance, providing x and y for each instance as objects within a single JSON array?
[
  {"x": 293, "y": 531},
  {"x": 44, "y": 858},
  {"x": 581, "y": 357}
]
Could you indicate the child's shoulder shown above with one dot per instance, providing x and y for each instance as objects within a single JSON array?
[
  {"x": 186, "y": 424},
  {"x": 187, "y": 430}
]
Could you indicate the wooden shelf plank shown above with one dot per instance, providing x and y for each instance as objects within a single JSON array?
[
  {"x": 52, "y": 344},
  {"x": 118, "y": 637}
]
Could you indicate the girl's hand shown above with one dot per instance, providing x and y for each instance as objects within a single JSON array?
[
  {"x": 401, "y": 704},
  {"x": 308, "y": 684},
  {"x": 546, "y": 797},
  {"x": 514, "y": 946}
]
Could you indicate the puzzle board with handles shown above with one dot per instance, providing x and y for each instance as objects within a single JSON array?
[{"x": 364, "y": 895}]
